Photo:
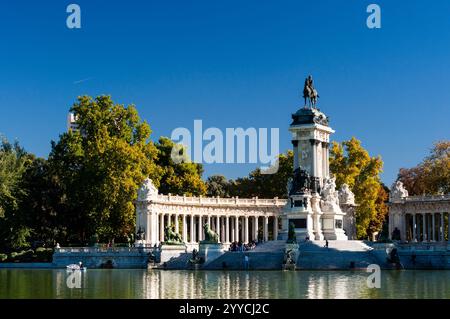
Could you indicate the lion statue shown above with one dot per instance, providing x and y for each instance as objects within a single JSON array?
[
  {"x": 170, "y": 236},
  {"x": 210, "y": 235}
]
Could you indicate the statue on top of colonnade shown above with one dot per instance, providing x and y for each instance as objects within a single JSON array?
[
  {"x": 147, "y": 191},
  {"x": 398, "y": 191}
]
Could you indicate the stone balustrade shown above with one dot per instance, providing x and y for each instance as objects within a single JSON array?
[
  {"x": 421, "y": 198},
  {"x": 176, "y": 199}
]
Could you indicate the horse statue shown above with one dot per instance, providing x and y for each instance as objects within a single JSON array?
[
  {"x": 310, "y": 94},
  {"x": 210, "y": 235},
  {"x": 170, "y": 236}
]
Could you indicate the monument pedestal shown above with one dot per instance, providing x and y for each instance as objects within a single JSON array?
[
  {"x": 333, "y": 221},
  {"x": 210, "y": 251},
  {"x": 169, "y": 251},
  {"x": 313, "y": 205},
  {"x": 299, "y": 212}
]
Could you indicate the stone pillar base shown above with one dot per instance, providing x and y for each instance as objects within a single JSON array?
[
  {"x": 318, "y": 235},
  {"x": 301, "y": 234},
  {"x": 336, "y": 234},
  {"x": 210, "y": 251},
  {"x": 171, "y": 251}
]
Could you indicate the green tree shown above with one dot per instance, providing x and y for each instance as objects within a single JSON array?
[
  {"x": 178, "y": 178},
  {"x": 100, "y": 167},
  {"x": 43, "y": 203},
  {"x": 265, "y": 185},
  {"x": 432, "y": 175},
  {"x": 218, "y": 185},
  {"x": 350, "y": 163},
  {"x": 14, "y": 161}
]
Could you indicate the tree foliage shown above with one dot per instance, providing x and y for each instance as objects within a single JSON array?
[
  {"x": 256, "y": 184},
  {"x": 100, "y": 167},
  {"x": 262, "y": 185},
  {"x": 13, "y": 164},
  {"x": 432, "y": 175},
  {"x": 178, "y": 178},
  {"x": 218, "y": 185},
  {"x": 351, "y": 164}
]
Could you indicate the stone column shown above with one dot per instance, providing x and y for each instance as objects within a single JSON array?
[
  {"x": 314, "y": 157},
  {"x": 327, "y": 160},
  {"x": 177, "y": 225},
  {"x": 246, "y": 229},
  {"x": 209, "y": 221},
  {"x": 266, "y": 228},
  {"x": 324, "y": 160},
  {"x": 424, "y": 229},
  {"x": 275, "y": 228},
  {"x": 200, "y": 228},
  {"x": 161, "y": 227},
  {"x": 433, "y": 231},
  {"x": 227, "y": 229},
  {"x": 194, "y": 233},
  {"x": 224, "y": 229},
  {"x": 403, "y": 230},
  {"x": 148, "y": 228},
  {"x": 184, "y": 229},
  {"x": 242, "y": 229},
  {"x": 169, "y": 219},
  {"x": 218, "y": 226},
  {"x": 414, "y": 227},
  {"x": 255, "y": 232},
  {"x": 155, "y": 228},
  {"x": 429, "y": 226},
  {"x": 232, "y": 229},
  {"x": 236, "y": 228},
  {"x": 192, "y": 229},
  {"x": 295, "y": 148}
]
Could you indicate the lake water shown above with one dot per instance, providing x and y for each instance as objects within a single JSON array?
[{"x": 118, "y": 283}]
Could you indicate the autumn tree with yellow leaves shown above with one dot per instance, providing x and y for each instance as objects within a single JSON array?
[{"x": 351, "y": 164}]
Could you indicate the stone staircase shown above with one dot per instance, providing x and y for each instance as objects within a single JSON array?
[
  {"x": 265, "y": 256},
  {"x": 271, "y": 246},
  {"x": 180, "y": 262},
  {"x": 339, "y": 255}
]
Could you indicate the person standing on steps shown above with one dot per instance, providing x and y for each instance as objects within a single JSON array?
[
  {"x": 326, "y": 243},
  {"x": 246, "y": 263}
]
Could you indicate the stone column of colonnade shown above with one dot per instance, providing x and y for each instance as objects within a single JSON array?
[
  {"x": 426, "y": 226},
  {"x": 227, "y": 229},
  {"x": 230, "y": 228}
]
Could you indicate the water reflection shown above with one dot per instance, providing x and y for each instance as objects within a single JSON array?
[{"x": 154, "y": 284}]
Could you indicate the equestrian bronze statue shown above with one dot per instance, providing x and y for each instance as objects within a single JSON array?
[{"x": 310, "y": 93}]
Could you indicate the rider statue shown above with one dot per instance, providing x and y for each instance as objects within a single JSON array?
[{"x": 309, "y": 92}]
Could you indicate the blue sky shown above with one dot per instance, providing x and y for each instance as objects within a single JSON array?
[{"x": 233, "y": 64}]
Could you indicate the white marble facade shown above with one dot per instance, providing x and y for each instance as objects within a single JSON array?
[
  {"x": 234, "y": 219},
  {"x": 418, "y": 218}
]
